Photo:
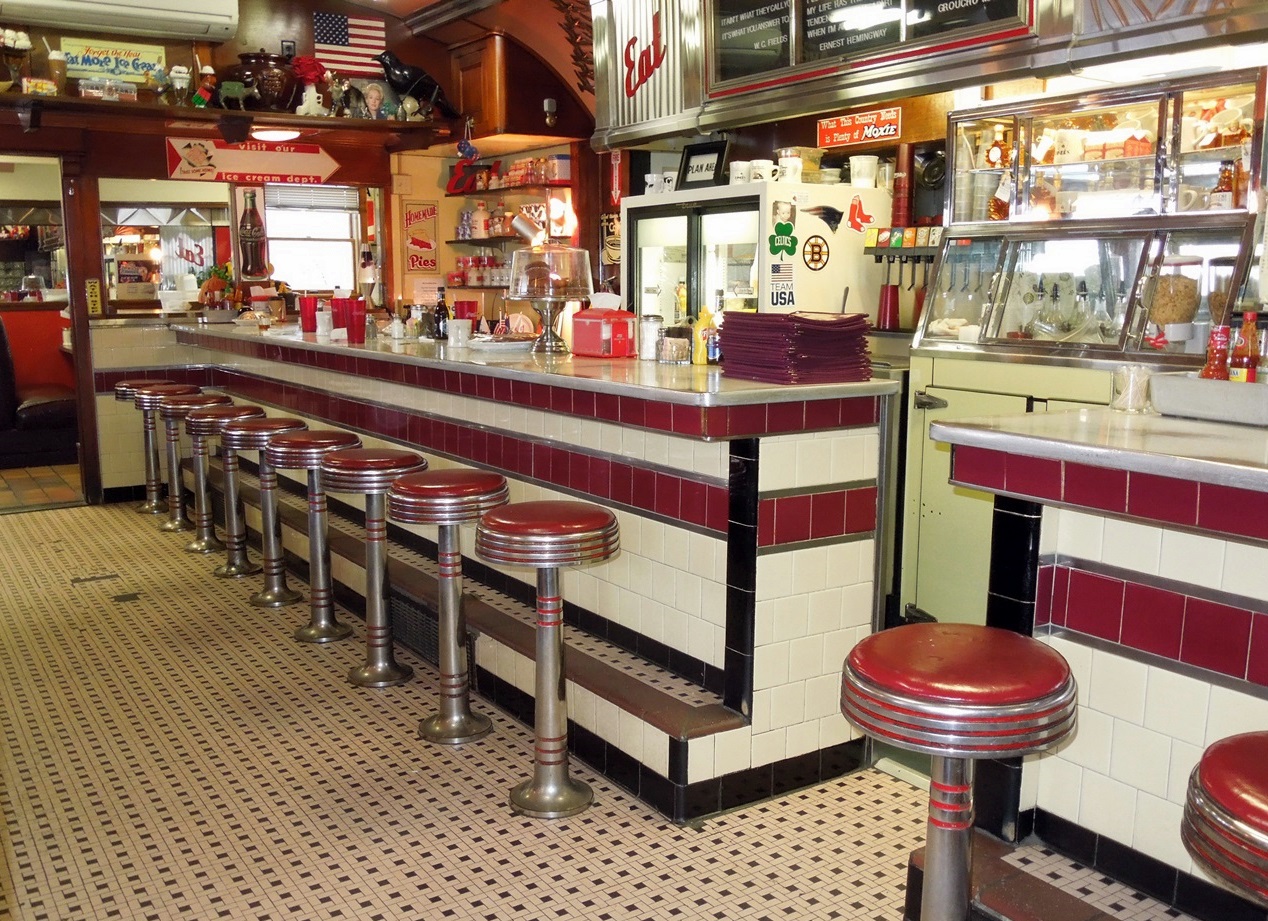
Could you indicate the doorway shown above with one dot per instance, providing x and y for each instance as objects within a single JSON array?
[{"x": 39, "y": 433}]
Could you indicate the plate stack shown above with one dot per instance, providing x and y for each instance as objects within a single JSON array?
[{"x": 796, "y": 348}]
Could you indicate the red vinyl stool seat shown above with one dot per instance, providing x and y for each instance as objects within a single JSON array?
[
  {"x": 370, "y": 471},
  {"x": 173, "y": 410},
  {"x": 255, "y": 435},
  {"x": 202, "y": 425},
  {"x": 154, "y": 503},
  {"x": 448, "y": 499},
  {"x": 547, "y": 535},
  {"x": 303, "y": 451},
  {"x": 957, "y": 692},
  {"x": 1225, "y": 824}
]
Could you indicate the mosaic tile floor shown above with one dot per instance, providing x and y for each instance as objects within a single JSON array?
[
  {"x": 26, "y": 488},
  {"x": 169, "y": 752}
]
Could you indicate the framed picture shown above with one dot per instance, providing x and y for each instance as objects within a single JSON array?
[
  {"x": 381, "y": 101},
  {"x": 701, "y": 165}
]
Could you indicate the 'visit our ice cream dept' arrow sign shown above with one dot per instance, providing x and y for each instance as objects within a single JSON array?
[{"x": 250, "y": 161}]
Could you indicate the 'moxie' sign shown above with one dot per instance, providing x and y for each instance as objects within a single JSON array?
[
  {"x": 861, "y": 128},
  {"x": 641, "y": 63}
]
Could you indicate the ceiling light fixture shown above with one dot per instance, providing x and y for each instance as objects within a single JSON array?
[{"x": 276, "y": 135}]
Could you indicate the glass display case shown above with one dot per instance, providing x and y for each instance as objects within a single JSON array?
[{"x": 1102, "y": 223}]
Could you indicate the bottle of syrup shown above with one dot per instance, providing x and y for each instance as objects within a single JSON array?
[
  {"x": 1224, "y": 195},
  {"x": 441, "y": 315},
  {"x": 1244, "y": 363}
]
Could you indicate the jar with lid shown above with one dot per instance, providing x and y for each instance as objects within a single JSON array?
[
  {"x": 480, "y": 222},
  {"x": 1177, "y": 291},
  {"x": 650, "y": 326}
]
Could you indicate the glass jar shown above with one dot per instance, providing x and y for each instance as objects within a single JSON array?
[
  {"x": 270, "y": 74},
  {"x": 1219, "y": 286},
  {"x": 1177, "y": 291}
]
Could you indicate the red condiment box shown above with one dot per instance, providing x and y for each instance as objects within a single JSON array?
[{"x": 601, "y": 332}]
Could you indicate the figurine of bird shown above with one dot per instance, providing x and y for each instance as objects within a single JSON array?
[{"x": 409, "y": 80}]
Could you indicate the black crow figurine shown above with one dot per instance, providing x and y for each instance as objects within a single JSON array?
[{"x": 409, "y": 80}]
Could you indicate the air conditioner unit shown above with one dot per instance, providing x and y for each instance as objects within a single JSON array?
[{"x": 208, "y": 20}]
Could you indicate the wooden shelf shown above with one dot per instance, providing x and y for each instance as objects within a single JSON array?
[{"x": 535, "y": 187}]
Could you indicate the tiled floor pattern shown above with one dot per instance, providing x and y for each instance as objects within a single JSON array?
[
  {"x": 1111, "y": 897},
  {"x": 169, "y": 752},
  {"x": 25, "y": 488}
]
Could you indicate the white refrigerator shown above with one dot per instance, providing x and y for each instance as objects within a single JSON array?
[{"x": 773, "y": 246}]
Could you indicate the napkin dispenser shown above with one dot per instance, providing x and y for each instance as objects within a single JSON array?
[{"x": 601, "y": 332}]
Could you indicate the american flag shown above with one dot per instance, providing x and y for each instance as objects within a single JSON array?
[
  {"x": 781, "y": 271},
  {"x": 347, "y": 44},
  {"x": 503, "y": 328}
]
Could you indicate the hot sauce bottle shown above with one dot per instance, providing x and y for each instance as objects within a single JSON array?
[
  {"x": 1216, "y": 367},
  {"x": 1245, "y": 361}
]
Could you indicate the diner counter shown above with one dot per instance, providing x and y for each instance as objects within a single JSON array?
[
  {"x": 1205, "y": 452},
  {"x": 694, "y": 385}
]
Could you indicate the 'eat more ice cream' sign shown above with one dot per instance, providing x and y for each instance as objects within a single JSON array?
[{"x": 113, "y": 60}]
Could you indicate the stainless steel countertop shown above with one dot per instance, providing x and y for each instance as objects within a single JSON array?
[
  {"x": 1205, "y": 452},
  {"x": 696, "y": 385}
]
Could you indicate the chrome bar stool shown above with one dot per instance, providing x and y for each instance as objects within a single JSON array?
[
  {"x": 125, "y": 392},
  {"x": 174, "y": 409},
  {"x": 547, "y": 535},
  {"x": 304, "y": 451},
  {"x": 1225, "y": 824},
  {"x": 202, "y": 425},
  {"x": 147, "y": 399},
  {"x": 448, "y": 499},
  {"x": 370, "y": 471},
  {"x": 255, "y": 435},
  {"x": 958, "y": 692},
  {"x": 237, "y": 564}
]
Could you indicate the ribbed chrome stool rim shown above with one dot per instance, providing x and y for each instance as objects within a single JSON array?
[
  {"x": 439, "y": 508},
  {"x": 1229, "y": 848},
  {"x": 291, "y": 454},
  {"x": 367, "y": 471},
  {"x": 254, "y": 434},
  {"x": 208, "y": 422}
]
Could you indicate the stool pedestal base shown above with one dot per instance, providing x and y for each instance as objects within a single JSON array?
[
  {"x": 176, "y": 520},
  {"x": 380, "y": 670},
  {"x": 205, "y": 540},
  {"x": 455, "y": 730},
  {"x": 556, "y": 800},
  {"x": 154, "y": 503},
  {"x": 322, "y": 626},
  {"x": 276, "y": 593},
  {"x": 380, "y": 675},
  {"x": 323, "y": 633},
  {"x": 237, "y": 564}
]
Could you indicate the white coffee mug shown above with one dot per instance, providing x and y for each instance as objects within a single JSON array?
[
  {"x": 789, "y": 169},
  {"x": 741, "y": 171},
  {"x": 655, "y": 183},
  {"x": 762, "y": 170},
  {"x": 459, "y": 332},
  {"x": 668, "y": 181},
  {"x": 1191, "y": 199}
]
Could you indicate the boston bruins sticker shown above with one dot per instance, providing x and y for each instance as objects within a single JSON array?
[{"x": 815, "y": 253}]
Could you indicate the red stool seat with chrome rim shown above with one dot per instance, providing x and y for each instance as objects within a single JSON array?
[
  {"x": 546, "y": 535},
  {"x": 202, "y": 425},
  {"x": 1225, "y": 824},
  {"x": 173, "y": 410},
  {"x": 447, "y": 499},
  {"x": 957, "y": 692},
  {"x": 304, "y": 450},
  {"x": 370, "y": 472},
  {"x": 255, "y": 435},
  {"x": 146, "y": 396}
]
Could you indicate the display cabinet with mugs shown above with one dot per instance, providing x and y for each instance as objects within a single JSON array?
[{"x": 1124, "y": 221}]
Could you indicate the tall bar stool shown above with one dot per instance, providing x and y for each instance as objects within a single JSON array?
[
  {"x": 125, "y": 392},
  {"x": 202, "y": 425},
  {"x": 547, "y": 535},
  {"x": 448, "y": 499},
  {"x": 304, "y": 451},
  {"x": 957, "y": 692},
  {"x": 370, "y": 471},
  {"x": 174, "y": 409},
  {"x": 147, "y": 398},
  {"x": 255, "y": 435},
  {"x": 1225, "y": 824}
]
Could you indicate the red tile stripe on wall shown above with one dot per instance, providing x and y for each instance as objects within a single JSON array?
[
  {"x": 816, "y": 516},
  {"x": 1222, "y": 638},
  {"x": 1220, "y": 510},
  {"x": 678, "y": 419}
]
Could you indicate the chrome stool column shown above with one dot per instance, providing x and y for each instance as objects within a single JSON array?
[
  {"x": 448, "y": 499},
  {"x": 370, "y": 472},
  {"x": 304, "y": 451},
  {"x": 958, "y": 692},
  {"x": 547, "y": 535},
  {"x": 237, "y": 564},
  {"x": 201, "y": 425},
  {"x": 174, "y": 409},
  {"x": 254, "y": 435},
  {"x": 125, "y": 392},
  {"x": 147, "y": 399}
]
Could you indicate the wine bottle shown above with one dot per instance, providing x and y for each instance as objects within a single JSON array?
[{"x": 441, "y": 314}]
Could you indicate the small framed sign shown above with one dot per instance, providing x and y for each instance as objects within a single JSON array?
[{"x": 701, "y": 165}]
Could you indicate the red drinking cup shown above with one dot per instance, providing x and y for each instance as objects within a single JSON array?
[
  {"x": 339, "y": 311},
  {"x": 887, "y": 309},
  {"x": 356, "y": 320},
  {"x": 307, "y": 314}
]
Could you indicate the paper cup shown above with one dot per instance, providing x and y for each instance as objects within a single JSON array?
[
  {"x": 459, "y": 333},
  {"x": 863, "y": 172}
]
